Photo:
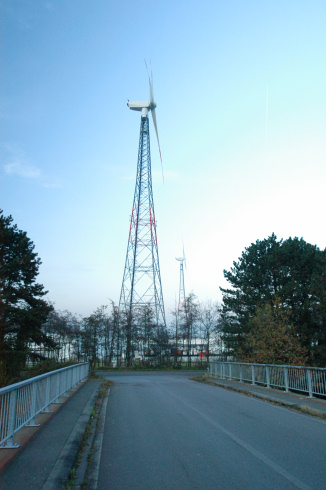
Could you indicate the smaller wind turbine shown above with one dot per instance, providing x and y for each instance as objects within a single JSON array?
[
  {"x": 182, "y": 294},
  {"x": 183, "y": 258}
]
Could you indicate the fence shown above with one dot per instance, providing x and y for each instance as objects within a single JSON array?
[
  {"x": 21, "y": 402},
  {"x": 309, "y": 380}
]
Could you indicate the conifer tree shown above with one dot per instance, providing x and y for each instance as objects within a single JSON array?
[
  {"x": 292, "y": 271},
  {"x": 22, "y": 307}
]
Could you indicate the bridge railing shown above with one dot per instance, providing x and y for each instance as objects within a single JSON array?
[
  {"x": 309, "y": 380},
  {"x": 21, "y": 402}
]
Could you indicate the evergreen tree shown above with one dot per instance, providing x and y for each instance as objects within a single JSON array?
[
  {"x": 293, "y": 271},
  {"x": 22, "y": 307}
]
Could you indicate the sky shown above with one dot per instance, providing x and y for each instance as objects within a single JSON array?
[{"x": 241, "y": 116}]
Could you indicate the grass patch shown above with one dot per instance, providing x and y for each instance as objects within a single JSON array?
[
  {"x": 312, "y": 411},
  {"x": 84, "y": 453}
]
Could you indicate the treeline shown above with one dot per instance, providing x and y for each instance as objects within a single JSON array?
[
  {"x": 273, "y": 312},
  {"x": 101, "y": 338}
]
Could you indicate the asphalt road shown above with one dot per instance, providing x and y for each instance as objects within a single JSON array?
[{"x": 167, "y": 432}]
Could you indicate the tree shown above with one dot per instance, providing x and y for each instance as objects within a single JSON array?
[
  {"x": 272, "y": 339},
  {"x": 93, "y": 334},
  {"x": 22, "y": 307},
  {"x": 65, "y": 330},
  {"x": 293, "y": 271},
  {"x": 304, "y": 294},
  {"x": 129, "y": 333},
  {"x": 209, "y": 321},
  {"x": 113, "y": 333},
  {"x": 175, "y": 336},
  {"x": 146, "y": 325},
  {"x": 101, "y": 336},
  {"x": 188, "y": 322}
]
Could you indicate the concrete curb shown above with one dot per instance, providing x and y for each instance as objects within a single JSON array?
[
  {"x": 290, "y": 400},
  {"x": 94, "y": 466},
  {"x": 64, "y": 463}
]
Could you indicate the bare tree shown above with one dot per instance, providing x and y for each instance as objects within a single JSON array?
[
  {"x": 209, "y": 320},
  {"x": 146, "y": 327},
  {"x": 188, "y": 322},
  {"x": 94, "y": 328},
  {"x": 113, "y": 330},
  {"x": 176, "y": 336}
]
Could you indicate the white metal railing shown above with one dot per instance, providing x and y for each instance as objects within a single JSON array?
[
  {"x": 310, "y": 380},
  {"x": 21, "y": 402}
]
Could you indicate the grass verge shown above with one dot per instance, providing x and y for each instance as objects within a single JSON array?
[{"x": 78, "y": 473}]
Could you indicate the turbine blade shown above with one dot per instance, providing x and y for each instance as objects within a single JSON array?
[
  {"x": 151, "y": 95},
  {"x": 184, "y": 257},
  {"x": 158, "y": 141},
  {"x": 152, "y": 85},
  {"x": 152, "y": 106}
]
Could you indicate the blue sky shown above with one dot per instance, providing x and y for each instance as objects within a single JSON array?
[{"x": 241, "y": 113}]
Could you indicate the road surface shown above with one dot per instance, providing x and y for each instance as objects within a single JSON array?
[{"x": 164, "y": 431}]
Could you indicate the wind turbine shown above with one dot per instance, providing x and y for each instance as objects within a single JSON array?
[
  {"x": 181, "y": 302},
  {"x": 141, "y": 284},
  {"x": 182, "y": 294}
]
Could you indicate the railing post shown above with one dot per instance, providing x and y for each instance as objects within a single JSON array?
[
  {"x": 47, "y": 396},
  {"x": 57, "y": 400},
  {"x": 64, "y": 383},
  {"x": 32, "y": 423},
  {"x": 309, "y": 382},
  {"x": 286, "y": 379},
  {"x": 12, "y": 419},
  {"x": 230, "y": 370},
  {"x": 252, "y": 374},
  {"x": 268, "y": 378},
  {"x": 241, "y": 376}
]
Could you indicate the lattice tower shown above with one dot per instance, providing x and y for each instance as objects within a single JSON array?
[{"x": 141, "y": 284}]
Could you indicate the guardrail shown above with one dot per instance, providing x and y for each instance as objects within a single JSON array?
[
  {"x": 310, "y": 380},
  {"x": 21, "y": 402}
]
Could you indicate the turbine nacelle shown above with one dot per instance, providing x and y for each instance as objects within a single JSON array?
[
  {"x": 138, "y": 105},
  {"x": 182, "y": 260}
]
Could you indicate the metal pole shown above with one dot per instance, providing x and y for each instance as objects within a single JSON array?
[
  {"x": 286, "y": 379},
  {"x": 309, "y": 382},
  {"x": 12, "y": 419}
]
